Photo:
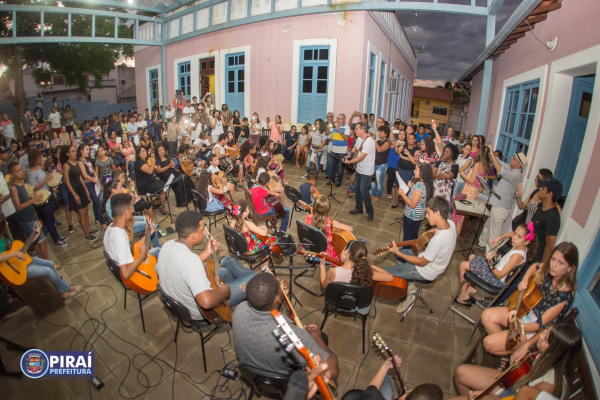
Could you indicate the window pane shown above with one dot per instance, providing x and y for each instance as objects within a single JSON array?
[
  {"x": 212, "y": 63},
  {"x": 203, "y": 65},
  {"x": 322, "y": 73},
  {"x": 231, "y": 87},
  {"x": 240, "y": 87},
  {"x": 324, "y": 54},
  {"x": 231, "y": 75},
  {"x": 528, "y": 127},
  {"x": 321, "y": 86},
  {"x": 514, "y": 101},
  {"x": 242, "y": 60},
  {"x": 308, "y": 73},
  {"x": 534, "y": 99},
  {"x": 230, "y": 61},
  {"x": 511, "y": 123},
  {"x": 308, "y": 54},
  {"x": 306, "y": 86},
  {"x": 586, "y": 102},
  {"x": 525, "y": 101},
  {"x": 240, "y": 75},
  {"x": 521, "y": 125}
]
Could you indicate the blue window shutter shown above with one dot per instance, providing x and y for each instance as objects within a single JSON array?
[
  {"x": 313, "y": 83},
  {"x": 153, "y": 89},
  {"x": 381, "y": 90},
  {"x": 184, "y": 78},
  {"x": 235, "y": 81}
]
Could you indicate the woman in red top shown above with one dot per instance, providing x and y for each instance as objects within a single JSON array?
[{"x": 320, "y": 219}]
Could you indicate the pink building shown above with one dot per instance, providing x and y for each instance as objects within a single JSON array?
[
  {"x": 546, "y": 103},
  {"x": 298, "y": 67}
]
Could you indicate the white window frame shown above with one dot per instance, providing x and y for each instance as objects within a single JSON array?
[
  {"x": 194, "y": 70},
  {"x": 148, "y": 69},
  {"x": 220, "y": 76}
]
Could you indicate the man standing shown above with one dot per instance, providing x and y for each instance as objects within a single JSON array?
[
  {"x": 26, "y": 123},
  {"x": 169, "y": 112},
  {"x": 325, "y": 160},
  {"x": 365, "y": 168},
  {"x": 449, "y": 138},
  {"x": 155, "y": 107},
  {"x": 172, "y": 134},
  {"x": 156, "y": 124},
  {"x": 39, "y": 103},
  {"x": 546, "y": 220},
  {"x": 54, "y": 118},
  {"x": 339, "y": 148},
  {"x": 371, "y": 121},
  {"x": 506, "y": 188},
  {"x": 132, "y": 130},
  {"x": 379, "y": 122}
]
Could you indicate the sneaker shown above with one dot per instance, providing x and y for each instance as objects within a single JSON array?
[
  {"x": 338, "y": 184},
  {"x": 60, "y": 243},
  {"x": 57, "y": 223},
  {"x": 94, "y": 231},
  {"x": 91, "y": 238},
  {"x": 304, "y": 176},
  {"x": 406, "y": 303},
  {"x": 411, "y": 288},
  {"x": 71, "y": 230},
  {"x": 64, "y": 239}
]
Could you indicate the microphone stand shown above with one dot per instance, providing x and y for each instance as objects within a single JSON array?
[{"x": 331, "y": 178}]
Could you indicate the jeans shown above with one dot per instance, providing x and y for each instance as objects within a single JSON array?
[
  {"x": 459, "y": 187},
  {"x": 140, "y": 226},
  {"x": 317, "y": 160},
  {"x": 154, "y": 251},
  {"x": 404, "y": 269},
  {"x": 406, "y": 174},
  {"x": 361, "y": 183},
  {"x": 63, "y": 191},
  {"x": 46, "y": 214},
  {"x": 410, "y": 229},
  {"x": 493, "y": 226},
  {"x": 28, "y": 228},
  {"x": 96, "y": 204},
  {"x": 284, "y": 221},
  {"x": 287, "y": 154},
  {"x": 214, "y": 205},
  {"x": 41, "y": 267},
  {"x": 336, "y": 158},
  {"x": 377, "y": 189},
  {"x": 386, "y": 389},
  {"x": 235, "y": 275}
]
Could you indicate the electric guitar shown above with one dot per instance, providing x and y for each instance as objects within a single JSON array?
[
  {"x": 13, "y": 272},
  {"x": 144, "y": 280},
  {"x": 221, "y": 314},
  {"x": 386, "y": 351},
  {"x": 286, "y": 299},
  {"x": 288, "y": 338}
]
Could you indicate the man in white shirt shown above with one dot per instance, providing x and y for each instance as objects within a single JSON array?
[
  {"x": 182, "y": 274},
  {"x": 116, "y": 241},
  {"x": 54, "y": 118},
  {"x": 169, "y": 112},
  {"x": 365, "y": 168},
  {"x": 188, "y": 110},
  {"x": 436, "y": 257},
  {"x": 132, "y": 129}
]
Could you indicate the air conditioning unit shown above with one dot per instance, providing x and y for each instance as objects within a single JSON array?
[{"x": 394, "y": 85}]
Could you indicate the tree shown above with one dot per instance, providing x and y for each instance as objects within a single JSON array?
[
  {"x": 448, "y": 85},
  {"x": 75, "y": 61}
]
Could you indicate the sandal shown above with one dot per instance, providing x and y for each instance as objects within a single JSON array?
[
  {"x": 395, "y": 206},
  {"x": 389, "y": 196},
  {"x": 163, "y": 211},
  {"x": 503, "y": 363},
  {"x": 467, "y": 303}
]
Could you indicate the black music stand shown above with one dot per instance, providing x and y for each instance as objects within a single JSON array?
[
  {"x": 290, "y": 250},
  {"x": 166, "y": 188},
  {"x": 316, "y": 241}
]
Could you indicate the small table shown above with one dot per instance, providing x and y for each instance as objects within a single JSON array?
[{"x": 476, "y": 209}]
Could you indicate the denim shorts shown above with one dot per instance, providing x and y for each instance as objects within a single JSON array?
[{"x": 28, "y": 228}]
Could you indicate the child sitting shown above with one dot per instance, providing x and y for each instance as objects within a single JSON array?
[
  {"x": 215, "y": 200},
  {"x": 262, "y": 165},
  {"x": 260, "y": 192},
  {"x": 308, "y": 187},
  {"x": 213, "y": 167},
  {"x": 320, "y": 219},
  {"x": 241, "y": 223}
]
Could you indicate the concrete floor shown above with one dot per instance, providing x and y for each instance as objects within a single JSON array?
[{"x": 95, "y": 320}]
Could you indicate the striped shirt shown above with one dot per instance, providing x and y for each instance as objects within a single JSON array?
[{"x": 417, "y": 213}]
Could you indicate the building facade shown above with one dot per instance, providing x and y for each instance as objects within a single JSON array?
[
  {"x": 298, "y": 67},
  {"x": 429, "y": 104},
  {"x": 547, "y": 104}
]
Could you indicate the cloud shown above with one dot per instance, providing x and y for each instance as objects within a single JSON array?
[
  {"x": 429, "y": 82},
  {"x": 452, "y": 41}
]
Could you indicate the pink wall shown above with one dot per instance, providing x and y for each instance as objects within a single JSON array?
[
  {"x": 589, "y": 191},
  {"x": 271, "y": 58},
  {"x": 471, "y": 125}
]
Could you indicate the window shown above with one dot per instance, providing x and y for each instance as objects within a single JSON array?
[
  {"x": 371, "y": 82},
  {"x": 439, "y": 110},
  {"x": 58, "y": 80},
  {"x": 314, "y": 81},
  {"x": 381, "y": 89},
  {"x": 427, "y": 103},
  {"x": 391, "y": 100},
  {"x": 123, "y": 82},
  {"x": 184, "y": 78},
  {"x": 520, "y": 106},
  {"x": 235, "y": 85},
  {"x": 153, "y": 80}
]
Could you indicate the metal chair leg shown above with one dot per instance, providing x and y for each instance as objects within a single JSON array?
[
  {"x": 452, "y": 300},
  {"x": 203, "y": 351},
  {"x": 364, "y": 318},
  {"x": 141, "y": 313},
  {"x": 125, "y": 300},
  {"x": 176, "y": 331},
  {"x": 474, "y": 330},
  {"x": 304, "y": 287},
  {"x": 327, "y": 312}
]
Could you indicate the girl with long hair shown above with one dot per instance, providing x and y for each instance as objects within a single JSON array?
[
  {"x": 320, "y": 219},
  {"x": 236, "y": 124},
  {"x": 104, "y": 165},
  {"x": 397, "y": 138},
  {"x": 165, "y": 167},
  {"x": 427, "y": 152},
  {"x": 524, "y": 249},
  {"x": 445, "y": 172},
  {"x": 476, "y": 144},
  {"x": 552, "y": 371},
  {"x": 241, "y": 223},
  {"x": 303, "y": 145},
  {"x": 382, "y": 147},
  {"x": 255, "y": 130},
  {"x": 262, "y": 165},
  {"x": 406, "y": 152},
  {"x": 128, "y": 153},
  {"x": 317, "y": 143},
  {"x": 465, "y": 162},
  {"x": 205, "y": 186},
  {"x": 78, "y": 194},
  {"x": 556, "y": 277},
  {"x": 90, "y": 179},
  {"x": 145, "y": 178},
  {"x": 247, "y": 153},
  {"x": 269, "y": 148},
  {"x": 421, "y": 190}
]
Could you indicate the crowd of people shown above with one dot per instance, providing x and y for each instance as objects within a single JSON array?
[{"x": 113, "y": 162}]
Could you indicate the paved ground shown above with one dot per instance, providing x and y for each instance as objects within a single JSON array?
[{"x": 96, "y": 320}]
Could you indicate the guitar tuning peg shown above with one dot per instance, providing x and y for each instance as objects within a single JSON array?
[
  {"x": 276, "y": 332},
  {"x": 289, "y": 348}
]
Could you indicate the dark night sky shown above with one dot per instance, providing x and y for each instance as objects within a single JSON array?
[{"x": 452, "y": 41}]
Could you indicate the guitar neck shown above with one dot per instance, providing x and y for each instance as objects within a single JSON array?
[
  {"x": 28, "y": 242},
  {"x": 497, "y": 381},
  {"x": 398, "y": 244},
  {"x": 397, "y": 371}
]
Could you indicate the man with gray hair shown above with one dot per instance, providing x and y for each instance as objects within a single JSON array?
[{"x": 365, "y": 168}]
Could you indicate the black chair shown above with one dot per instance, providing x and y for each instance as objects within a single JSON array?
[
  {"x": 116, "y": 271},
  {"x": 418, "y": 301},
  {"x": 294, "y": 195},
  {"x": 236, "y": 243},
  {"x": 264, "y": 383},
  {"x": 184, "y": 318},
  {"x": 312, "y": 240},
  {"x": 200, "y": 205},
  {"x": 499, "y": 293},
  {"x": 270, "y": 220},
  {"x": 347, "y": 298}
]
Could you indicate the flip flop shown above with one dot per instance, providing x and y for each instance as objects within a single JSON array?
[{"x": 467, "y": 303}]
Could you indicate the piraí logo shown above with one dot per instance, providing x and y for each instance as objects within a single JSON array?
[{"x": 34, "y": 363}]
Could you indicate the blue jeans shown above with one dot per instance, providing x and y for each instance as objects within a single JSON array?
[
  {"x": 406, "y": 174},
  {"x": 63, "y": 191},
  {"x": 41, "y": 267},
  {"x": 317, "y": 160},
  {"x": 386, "y": 389},
  {"x": 140, "y": 226},
  {"x": 287, "y": 154},
  {"x": 154, "y": 251},
  {"x": 234, "y": 274},
  {"x": 404, "y": 269},
  {"x": 336, "y": 158},
  {"x": 46, "y": 214},
  {"x": 377, "y": 188},
  {"x": 28, "y": 228},
  {"x": 361, "y": 184},
  {"x": 214, "y": 205},
  {"x": 410, "y": 229},
  {"x": 284, "y": 221},
  {"x": 459, "y": 187},
  {"x": 96, "y": 204}
]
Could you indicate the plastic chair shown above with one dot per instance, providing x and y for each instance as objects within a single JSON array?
[
  {"x": 347, "y": 298},
  {"x": 236, "y": 243},
  {"x": 264, "y": 383},
  {"x": 200, "y": 204},
  {"x": 184, "y": 318}
]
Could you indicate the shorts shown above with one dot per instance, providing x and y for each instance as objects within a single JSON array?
[
  {"x": 28, "y": 228},
  {"x": 480, "y": 267}
]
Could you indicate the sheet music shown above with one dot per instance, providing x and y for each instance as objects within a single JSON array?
[
  {"x": 168, "y": 184},
  {"x": 403, "y": 186}
]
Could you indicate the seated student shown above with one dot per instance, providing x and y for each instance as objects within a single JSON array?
[
  {"x": 270, "y": 148},
  {"x": 115, "y": 186},
  {"x": 247, "y": 153},
  {"x": 524, "y": 248},
  {"x": 213, "y": 167},
  {"x": 215, "y": 200},
  {"x": 38, "y": 266},
  {"x": 307, "y": 188},
  {"x": 249, "y": 229},
  {"x": 253, "y": 338},
  {"x": 320, "y": 219},
  {"x": 556, "y": 277},
  {"x": 165, "y": 167},
  {"x": 116, "y": 241},
  {"x": 262, "y": 165},
  {"x": 552, "y": 370},
  {"x": 24, "y": 205},
  {"x": 260, "y": 192},
  {"x": 291, "y": 141},
  {"x": 138, "y": 203},
  {"x": 434, "y": 260},
  {"x": 220, "y": 151},
  {"x": 182, "y": 275},
  {"x": 232, "y": 145}
]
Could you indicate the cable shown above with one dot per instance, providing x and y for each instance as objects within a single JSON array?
[{"x": 539, "y": 40}]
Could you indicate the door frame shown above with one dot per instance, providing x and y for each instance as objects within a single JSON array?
[{"x": 221, "y": 79}]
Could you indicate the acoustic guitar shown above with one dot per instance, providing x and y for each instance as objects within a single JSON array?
[
  {"x": 271, "y": 242},
  {"x": 386, "y": 351},
  {"x": 523, "y": 302},
  {"x": 274, "y": 203},
  {"x": 221, "y": 314},
  {"x": 305, "y": 253},
  {"x": 144, "y": 280},
  {"x": 340, "y": 239},
  {"x": 288, "y": 338},
  {"x": 13, "y": 272},
  {"x": 286, "y": 299},
  {"x": 304, "y": 206},
  {"x": 394, "y": 290},
  {"x": 418, "y": 245},
  {"x": 502, "y": 248},
  {"x": 186, "y": 166},
  {"x": 234, "y": 152}
]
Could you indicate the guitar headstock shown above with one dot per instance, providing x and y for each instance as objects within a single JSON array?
[
  {"x": 306, "y": 253},
  {"x": 380, "y": 344},
  {"x": 287, "y": 337},
  {"x": 380, "y": 250}
]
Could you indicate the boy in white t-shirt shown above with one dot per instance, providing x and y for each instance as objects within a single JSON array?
[
  {"x": 213, "y": 167},
  {"x": 436, "y": 257}
]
